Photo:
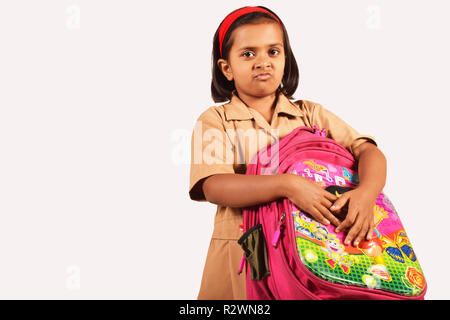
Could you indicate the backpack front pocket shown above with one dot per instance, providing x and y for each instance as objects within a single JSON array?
[{"x": 254, "y": 246}]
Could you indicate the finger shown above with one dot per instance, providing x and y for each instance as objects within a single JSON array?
[
  {"x": 319, "y": 217},
  {"x": 330, "y": 196},
  {"x": 326, "y": 203},
  {"x": 339, "y": 203},
  {"x": 335, "y": 217},
  {"x": 354, "y": 231},
  {"x": 371, "y": 231},
  {"x": 348, "y": 221},
  {"x": 328, "y": 215},
  {"x": 362, "y": 233},
  {"x": 340, "y": 212}
]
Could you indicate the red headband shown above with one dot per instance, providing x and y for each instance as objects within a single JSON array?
[{"x": 228, "y": 21}]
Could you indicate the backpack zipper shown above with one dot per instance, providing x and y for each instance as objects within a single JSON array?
[{"x": 277, "y": 234}]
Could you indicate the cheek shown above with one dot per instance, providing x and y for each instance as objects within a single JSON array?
[
  {"x": 280, "y": 66},
  {"x": 243, "y": 73}
]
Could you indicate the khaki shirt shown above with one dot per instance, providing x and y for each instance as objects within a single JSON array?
[{"x": 224, "y": 140}]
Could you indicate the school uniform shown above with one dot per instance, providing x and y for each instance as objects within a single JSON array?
[{"x": 222, "y": 142}]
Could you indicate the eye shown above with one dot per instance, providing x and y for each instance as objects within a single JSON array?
[
  {"x": 245, "y": 54},
  {"x": 274, "y": 51}
]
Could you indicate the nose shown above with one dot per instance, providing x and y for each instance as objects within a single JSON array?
[{"x": 263, "y": 63}]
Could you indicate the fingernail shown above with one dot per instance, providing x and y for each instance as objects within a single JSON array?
[
  {"x": 327, "y": 222},
  {"x": 333, "y": 207}
]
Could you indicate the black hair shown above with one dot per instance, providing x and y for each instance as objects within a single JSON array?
[{"x": 221, "y": 87}]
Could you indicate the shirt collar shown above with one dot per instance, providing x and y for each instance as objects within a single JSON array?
[{"x": 236, "y": 109}]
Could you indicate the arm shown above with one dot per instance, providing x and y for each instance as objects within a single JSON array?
[
  {"x": 372, "y": 175},
  {"x": 239, "y": 190},
  {"x": 372, "y": 167}
]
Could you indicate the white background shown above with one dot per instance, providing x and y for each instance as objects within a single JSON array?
[{"x": 98, "y": 100}]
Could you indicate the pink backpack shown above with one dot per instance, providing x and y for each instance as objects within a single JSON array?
[{"x": 288, "y": 255}]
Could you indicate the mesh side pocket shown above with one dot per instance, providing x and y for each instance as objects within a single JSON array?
[{"x": 254, "y": 246}]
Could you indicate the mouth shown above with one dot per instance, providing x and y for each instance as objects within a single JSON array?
[{"x": 263, "y": 76}]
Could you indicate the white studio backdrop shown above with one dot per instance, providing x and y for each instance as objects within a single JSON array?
[{"x": 98, "y": 100}]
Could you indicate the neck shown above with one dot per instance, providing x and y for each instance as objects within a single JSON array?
[{"x": 261, "y": 104}]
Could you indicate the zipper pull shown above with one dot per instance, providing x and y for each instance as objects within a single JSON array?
[
  {"x": 241, "y": 266},
  {"x": 319, "y": 132},
  {"x": 277, "y": 234},
  {"x": 316, "y": 130}
]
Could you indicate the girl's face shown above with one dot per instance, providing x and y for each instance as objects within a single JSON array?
[{"x": 256, "y": 59}]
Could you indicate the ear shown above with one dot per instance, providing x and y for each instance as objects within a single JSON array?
[{"x": 225, "y": 67}]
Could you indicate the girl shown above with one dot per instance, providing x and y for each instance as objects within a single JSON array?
[{"x": 255, "y": 70}]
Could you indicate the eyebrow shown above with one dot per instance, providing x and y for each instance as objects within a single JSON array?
[{"x": 270, "y": 45}]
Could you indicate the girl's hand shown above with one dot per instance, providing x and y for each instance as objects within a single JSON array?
[
  {"x": 310, "y": 197},
  {"x": 360, "y": 216}
]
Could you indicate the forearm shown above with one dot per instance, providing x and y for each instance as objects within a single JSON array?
[
  {"x": 372, "y": 168},
  {"x": 240, "y": 190}
]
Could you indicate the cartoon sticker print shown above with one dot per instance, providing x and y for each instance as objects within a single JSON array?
[
  {"x": 353, "y": 178},
  {"x": 309, "y": 227},
  {"x": 315, "y": 166},
  {"x": 380, "y": 271},
  {"x": 374, "y": 248},
  {"x": 400, "y": 248},
  {"x": 414, "y": 279},
  {"x": 386, "y": 262},
  {"x": 335, "y": 252}
]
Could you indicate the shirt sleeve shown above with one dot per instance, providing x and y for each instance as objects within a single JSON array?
[
  {"x": 338, "y": 129},
  {"x": 211, "y": 151}
]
